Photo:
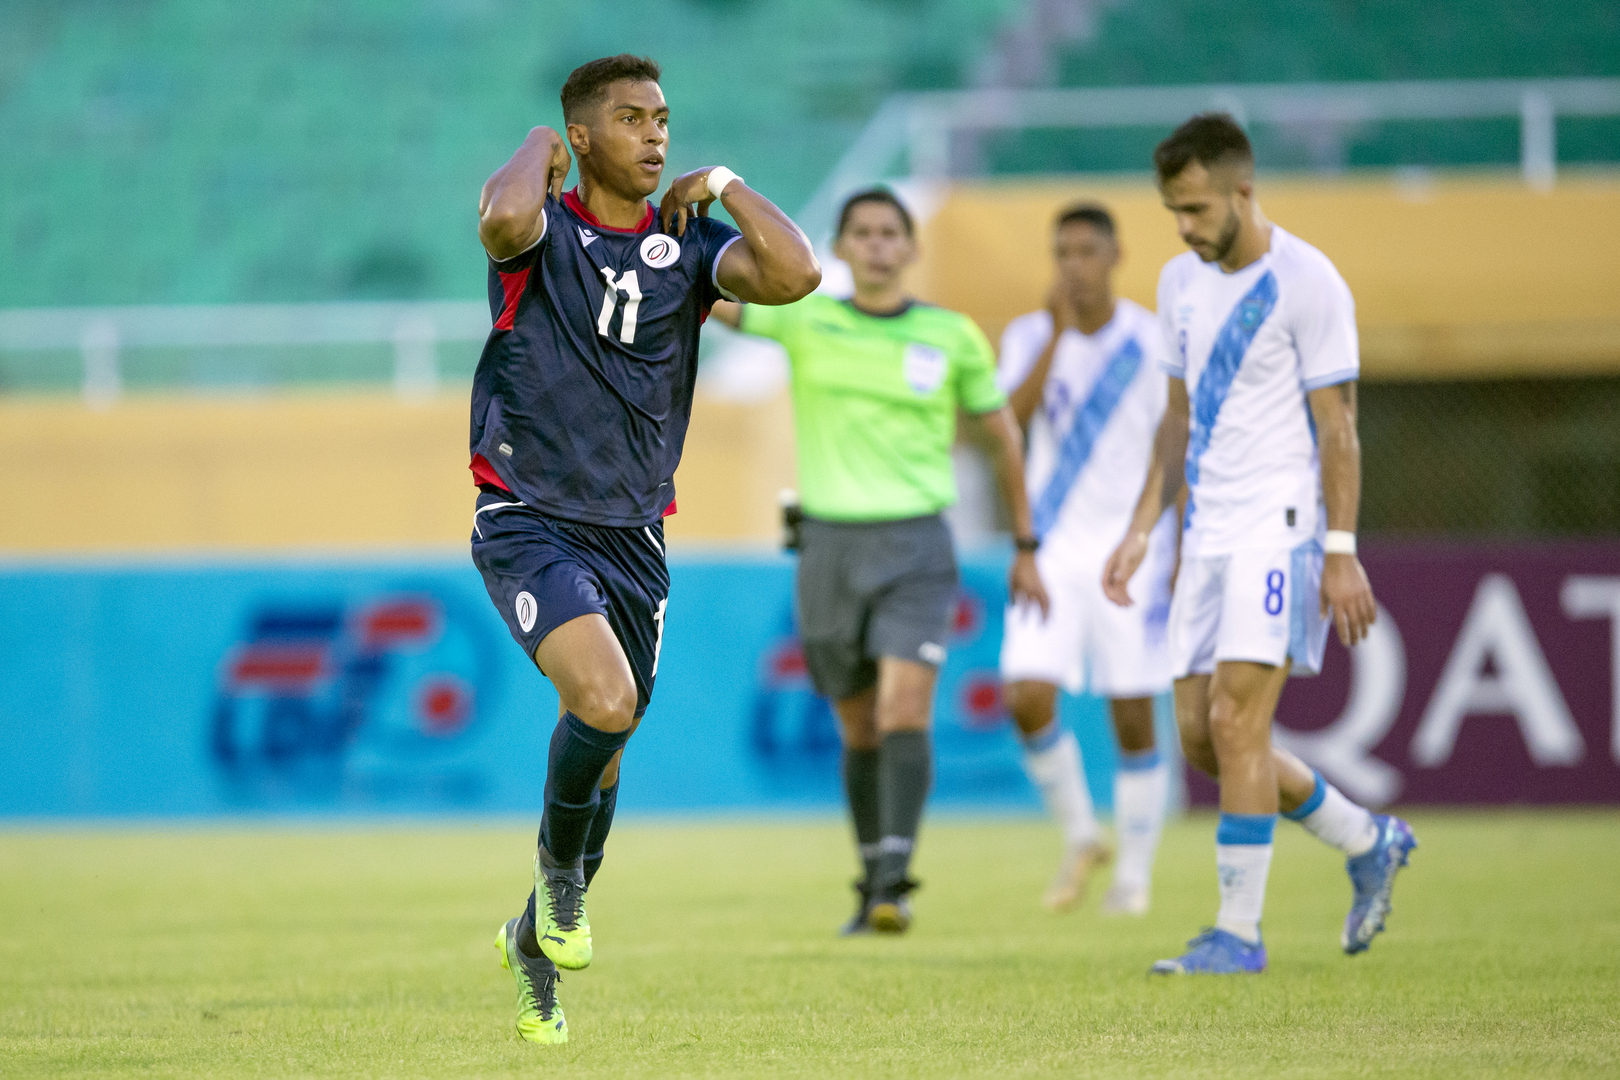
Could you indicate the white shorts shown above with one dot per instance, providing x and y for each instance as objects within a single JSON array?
[
  {"x": 1087, "y": 641},
  {"x": 1262, "y": 605}
]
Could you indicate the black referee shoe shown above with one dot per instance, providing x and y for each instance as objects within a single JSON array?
[
  {"x": 861, "y": 921},
  {"x": 890, "y": 912}
]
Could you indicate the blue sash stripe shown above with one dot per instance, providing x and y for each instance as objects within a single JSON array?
[
  {"x": 1089, "y": 422},
  {"x": 1215, "y": 382}
]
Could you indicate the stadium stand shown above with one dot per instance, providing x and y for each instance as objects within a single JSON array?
[
  {"x": 183, "y": 151},
  {"x": 1163, "y": 42}
]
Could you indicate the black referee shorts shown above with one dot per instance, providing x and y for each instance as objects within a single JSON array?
[{"x": 873, "y": 589}]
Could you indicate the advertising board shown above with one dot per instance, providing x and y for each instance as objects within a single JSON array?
[{"x": 380, "y": 685}]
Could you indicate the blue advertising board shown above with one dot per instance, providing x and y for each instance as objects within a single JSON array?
[{"x": 376, "y": 685}]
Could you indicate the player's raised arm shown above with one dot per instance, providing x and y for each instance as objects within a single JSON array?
[
  {"x": 510, "y": 208},
  {"x": 1161, "y": 488},
  {"x": 1026, "y": 397},
  {"x": 1345, "y": 587},
  {"x": 773, "y": 264}
]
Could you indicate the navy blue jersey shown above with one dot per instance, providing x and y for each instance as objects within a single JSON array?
[{"x": 583, "y": 393}]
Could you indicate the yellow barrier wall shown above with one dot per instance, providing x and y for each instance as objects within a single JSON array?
[
  {"x": 1453, "y": 276},
  {"x": 1464, "y": 276},
  {"x": 360, "y": 470}
]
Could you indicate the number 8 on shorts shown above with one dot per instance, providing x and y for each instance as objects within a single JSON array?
[{"x": 1260, "y": 605}]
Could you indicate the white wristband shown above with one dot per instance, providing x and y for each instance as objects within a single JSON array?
[
  {"x": 718, "y": 178},
  {"x": 1339, "y": 542}
]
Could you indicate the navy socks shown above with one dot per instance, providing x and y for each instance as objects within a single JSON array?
[
  {"x": 596, "y": 836},
  {"x": 579, "y": 756}
]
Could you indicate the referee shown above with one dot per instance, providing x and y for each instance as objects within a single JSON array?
[{"x": 877, "y": 383}]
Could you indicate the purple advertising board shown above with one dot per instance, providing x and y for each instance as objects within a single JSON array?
[{"x": 1489, "y": 677}]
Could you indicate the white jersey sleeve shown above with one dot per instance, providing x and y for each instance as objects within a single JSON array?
[
  {"x": 1172, "y": 357},
  {"x": 1021, "y": 345},
  {"x": 1325, "y": 330}
]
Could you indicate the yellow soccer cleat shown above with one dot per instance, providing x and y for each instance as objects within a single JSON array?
[
  {"x": 559, "y": 913},
  {"x": 540, "y": 1016}
]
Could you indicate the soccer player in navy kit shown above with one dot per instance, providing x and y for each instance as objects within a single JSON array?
[{"x": 579, "y": 412}]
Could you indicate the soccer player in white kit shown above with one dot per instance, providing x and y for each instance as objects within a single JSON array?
[
  {"x": 1263, "y": 363},
  {"x": 1084, "y": 376}
]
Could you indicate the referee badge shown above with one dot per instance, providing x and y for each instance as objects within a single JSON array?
[
  {"x": 923, "y": 367},
  {"x": 658, "y": 250}
]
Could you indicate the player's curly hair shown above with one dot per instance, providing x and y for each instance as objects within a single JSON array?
[
  {"x": 1209, "y": 138},
  {"x": 875, "y": 195},
  {"x": 587, "y": 82}
]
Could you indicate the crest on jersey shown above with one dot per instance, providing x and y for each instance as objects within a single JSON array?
[
  {"x": 586, "y": 237},
  {"x": 923, "y": 367},
  {"x": 1252, "y": 312},
  {"x": 658, "y": 251}
]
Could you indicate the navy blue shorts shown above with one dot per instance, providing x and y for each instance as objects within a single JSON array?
[{"x": 542, "y": 571}]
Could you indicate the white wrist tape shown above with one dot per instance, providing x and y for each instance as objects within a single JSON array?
[
  {"x": 1339, "y": 542},
  {"x": 718, "y": 178}
]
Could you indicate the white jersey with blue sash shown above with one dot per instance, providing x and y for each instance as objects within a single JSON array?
[
  {"x": 1249, "y": 346},
  {"x": 1090, "y": 440}
]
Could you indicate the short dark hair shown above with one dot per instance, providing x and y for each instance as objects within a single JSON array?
[
  {"x": 587, "y": 82},
  {"x": 1094, "y": 214},
  {"x": 875, "y": 195},
  {"x": 1211, "y": 139}
]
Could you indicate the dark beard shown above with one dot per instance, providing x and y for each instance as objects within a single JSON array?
[{"x": 1228, "y": 237}]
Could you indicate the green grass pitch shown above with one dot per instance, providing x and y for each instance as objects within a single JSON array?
[{"x": 367, "y": 951}]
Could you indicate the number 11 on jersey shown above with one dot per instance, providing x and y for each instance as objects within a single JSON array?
[{"x": 610, "y": 299}]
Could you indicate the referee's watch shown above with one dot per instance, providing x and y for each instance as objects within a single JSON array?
[{"x": 1029, "y": 544}]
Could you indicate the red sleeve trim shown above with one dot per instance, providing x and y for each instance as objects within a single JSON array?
[
  {"x": 484, "y": 473},
  {"x": 512, "y": 285}
]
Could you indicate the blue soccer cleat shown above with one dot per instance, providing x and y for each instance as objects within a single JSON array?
[
  {"x": 1215, "y": 952},
  {"x": 1372, "y": 874}
]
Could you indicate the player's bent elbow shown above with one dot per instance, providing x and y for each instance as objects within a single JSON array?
[
  {"x": 791, "y": 285},
  {"x": 500, "y": 234}
]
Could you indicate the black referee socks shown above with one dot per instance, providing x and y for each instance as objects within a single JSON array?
[
  {"x": 861, "y": 787},
  {"x": 905, "y": 773}
]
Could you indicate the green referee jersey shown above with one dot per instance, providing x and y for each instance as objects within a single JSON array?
[{"x": 875, "y": 400}]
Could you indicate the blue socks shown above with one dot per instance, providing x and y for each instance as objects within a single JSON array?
[
  {"x": 579, "y": 756},
  {"x": 1038, "y": 742},
  {"x": 1312, "y": 804}
]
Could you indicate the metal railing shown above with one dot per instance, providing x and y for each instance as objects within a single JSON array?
[
  {"x": 918, "y": 127},
  {"x": 921, "y": 126},
  {"x": 101, "y": 335}
]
